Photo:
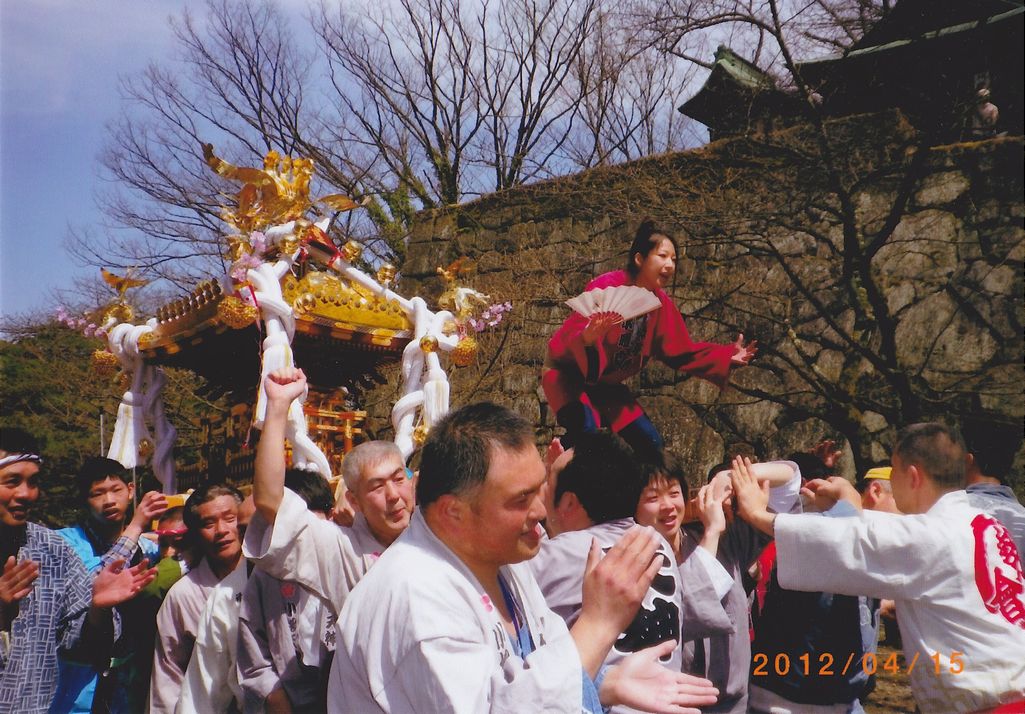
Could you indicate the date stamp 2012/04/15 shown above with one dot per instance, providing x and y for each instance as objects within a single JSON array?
[{"x": 825, "y": 664}]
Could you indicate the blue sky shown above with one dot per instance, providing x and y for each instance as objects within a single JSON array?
[{"x": 59, "y": 66}]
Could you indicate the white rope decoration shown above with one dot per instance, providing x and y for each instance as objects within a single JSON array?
[
  {"x": 144, "y": 399},
  {"x": 428, "y": 391},
  {"x": 279, "y": 325}
]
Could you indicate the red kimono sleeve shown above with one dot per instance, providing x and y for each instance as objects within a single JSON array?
[{"x": 672, "y": 346}]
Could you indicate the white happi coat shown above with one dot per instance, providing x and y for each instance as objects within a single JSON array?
[
  {"x": 419, "y": 634},
  {"x": 323, "y": 557},
  {"x": 957, "y": 581},
  {"x": 559, "y": 569},
  {"x": 177, "y": 626},
  {"x": 211, "y": 679}
]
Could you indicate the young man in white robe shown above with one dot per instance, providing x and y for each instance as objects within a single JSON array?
[
  {"x": 953, "y": 570},
  {"x": 723, "y": 652},
  {"x": 211, "y": 682},
  {"x": 451, "y": 619}
]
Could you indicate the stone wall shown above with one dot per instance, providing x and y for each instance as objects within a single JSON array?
[{"x": 763, "y": 235}]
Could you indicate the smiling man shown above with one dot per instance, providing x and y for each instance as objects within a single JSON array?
[
  {"x": 591, "y": 495},
  {"x": 211, "y": 516},
  {"x": 49, "y": 602},
  {"x": 451, "y": 618}
]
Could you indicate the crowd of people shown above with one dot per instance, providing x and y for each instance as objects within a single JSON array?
[{"x": 501, "y": 579}]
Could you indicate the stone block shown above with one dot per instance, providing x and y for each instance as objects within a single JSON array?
[
  {"x": 937, "y": 336},
  {"x": 942, "y": 188}
]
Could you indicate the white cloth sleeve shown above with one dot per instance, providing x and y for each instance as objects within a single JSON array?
[
  {"x": 784, "y": 499},
  {"x": 879, "y": 555},
  {"x": 299, "y": 546},
  {"x": 171, "y": 654},
  {"x": 722, "y": 581}
]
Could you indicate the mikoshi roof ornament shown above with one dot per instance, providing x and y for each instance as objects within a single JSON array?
[{"x": 273, "y": 234}]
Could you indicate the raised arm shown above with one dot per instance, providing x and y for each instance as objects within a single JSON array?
[
  {"x": 152, "y": 505},
  {"x": 282, "y": 387},
  {"x": 783, "y": 479}
]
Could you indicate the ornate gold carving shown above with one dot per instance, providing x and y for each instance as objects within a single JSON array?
[
  {"x": 386, "y": 274},
  {"x": 465, "y": 352},
  {"x": 235, "y": 313},
  {"x": 104, "y": 363},
  {"x": 429, "y": 343}
]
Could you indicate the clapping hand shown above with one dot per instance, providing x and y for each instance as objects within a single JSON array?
[
  {"x": 554, "y": 451},
  {"x": 116, "y": 584},
  {"x": 710, "y": 508},
  {"x": 752, "y": 497},
  {"x": 17, "y": 580},
  {"x": 824, "y": 493},
  {"x": 641, "y": 682},
  {"x": 614, "y": 585},
  {"x": 827, "y": 451}
]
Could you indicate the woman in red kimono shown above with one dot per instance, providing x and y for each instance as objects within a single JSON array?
[{"x": 588, "y": 359}]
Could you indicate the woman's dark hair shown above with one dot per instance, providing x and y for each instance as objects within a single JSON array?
[{"x": 647, "y": 239}]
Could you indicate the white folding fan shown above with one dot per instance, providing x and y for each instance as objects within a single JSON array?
[{"x": 626, "y": 300}]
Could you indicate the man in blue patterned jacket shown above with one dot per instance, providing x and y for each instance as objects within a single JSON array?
[{"x": 48, "y": 600}]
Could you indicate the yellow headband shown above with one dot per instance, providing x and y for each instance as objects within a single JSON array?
[{"x": 880, "y": 472}]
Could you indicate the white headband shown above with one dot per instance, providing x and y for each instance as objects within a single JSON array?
[{"x": 15, "y": 458}]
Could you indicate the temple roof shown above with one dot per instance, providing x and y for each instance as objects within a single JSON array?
[
  {"x": 342, "y": 335},
  {"x": 895, "y": 33},
  {"x": 736, "y": 96}
]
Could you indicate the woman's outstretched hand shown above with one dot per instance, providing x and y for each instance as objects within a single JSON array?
[{"x": 743, "y": 354}]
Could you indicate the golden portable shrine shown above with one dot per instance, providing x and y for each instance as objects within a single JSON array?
[
  {"x": 295, "y": 295},
  {"x": 341, "y": 339}
]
